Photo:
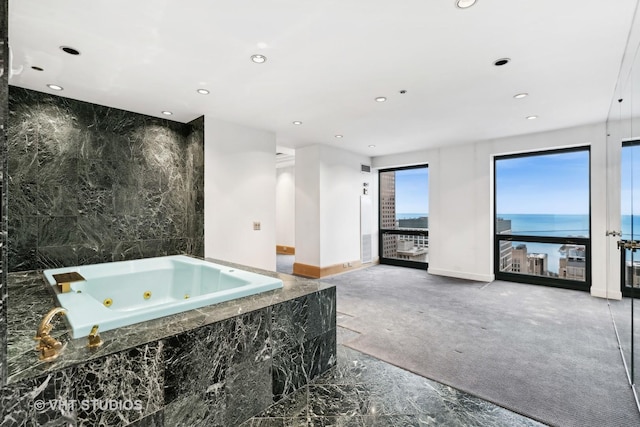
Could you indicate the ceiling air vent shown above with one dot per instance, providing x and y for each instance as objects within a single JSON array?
[{"x": 365, "y": 168}]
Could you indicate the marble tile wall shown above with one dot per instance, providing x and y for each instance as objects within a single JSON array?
[
  {"x": 91, "y": 184},
  {"x": 219, "y": 374},
  {"x": 3, "y": 187}
]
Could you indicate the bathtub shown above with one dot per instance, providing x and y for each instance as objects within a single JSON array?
[{"x": 122, "y": 293}]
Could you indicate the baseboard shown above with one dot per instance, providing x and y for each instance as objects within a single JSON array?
[
  {"x": 602, "y": 293},
  {"x": 462, "y": 275},
  {"x": 316, "y": 272},
  {"x": 306, "y": 270},
  {"x": 285, "y": 250}
]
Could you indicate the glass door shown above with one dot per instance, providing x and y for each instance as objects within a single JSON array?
[
  {"x": 404, "y": 216},
  {"x": 630, "y": 206}
]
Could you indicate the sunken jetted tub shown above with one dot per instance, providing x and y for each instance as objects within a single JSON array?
[{"x": 117, "y": 294}]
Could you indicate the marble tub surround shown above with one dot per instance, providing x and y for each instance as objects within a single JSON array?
[
  {"x": 91, "y": 184},
  {"x": 364, "y": 391},
  {"x": 215, "y": 366},
  {"x": 33, "y": 299}
]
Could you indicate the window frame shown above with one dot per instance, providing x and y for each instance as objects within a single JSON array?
[{"x": 497, "y": 238}]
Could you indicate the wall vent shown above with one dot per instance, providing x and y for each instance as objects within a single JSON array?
[{"x": 365, "y": 168}]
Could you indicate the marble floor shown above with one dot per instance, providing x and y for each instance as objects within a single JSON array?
[
  {"x": 284, "y": 263},
  {"x": 364, "y": 391}
]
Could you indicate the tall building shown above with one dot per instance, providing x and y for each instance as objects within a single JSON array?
[
  {"x": 407, "y": 249},
  {"x": 388, "y": 213},
  {"x": 519, "y": 262},
  {"x": 503, "y": 226},
  {"x": 632, "y": 272},
  {"x": 537, "y": 264},
  {"x": 573, "y": 262}
]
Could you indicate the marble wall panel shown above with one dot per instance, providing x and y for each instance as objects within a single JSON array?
[
  {"x": 133, "y": 379},
  {"x": 115, "y": 390},
  {"x": 104, "y": 184},
  {"x": 304, "y": 340},
  {"x": 4, "y": 226},
  {"x": 36, "y": 402}
]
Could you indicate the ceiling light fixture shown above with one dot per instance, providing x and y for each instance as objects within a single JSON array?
[
  {"x": 463, "y": 4},
  {"x": 372, "y": 146},
  {"x": 258, "y": 59},
  {"x": 381, "y": 99},
  {"x": 338, "y": 136},
  {"x": 203, "y": 91},
  {"x": 167, "y": 113},
  {"x": 70, "y": 50},
  {"x": 520, "y": 95},
  {"x": 297, "y": 122},
  {"x": 37, "y": 68},
  {"x": 532, "y": 117},
  {"x": 502, "y": 61},
  {"x": 55, "y": 87}
]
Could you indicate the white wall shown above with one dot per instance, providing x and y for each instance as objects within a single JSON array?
[
  {"x": 285, "y": 206},
  {"x": 328, "y": 189},
  {"x": 240, "y": 186},
  {"x": 461, "y": 199},
  {"x": 307, "y": 194}
]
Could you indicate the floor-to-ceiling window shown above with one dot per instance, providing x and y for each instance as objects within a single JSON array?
[
  {"x": 630, "y": 208},
  {"x": 404, "y": 216},
  {"x": 542, "y": 218}
]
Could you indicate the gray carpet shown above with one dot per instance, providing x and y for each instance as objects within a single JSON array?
[{"x": 549, "y": 354}]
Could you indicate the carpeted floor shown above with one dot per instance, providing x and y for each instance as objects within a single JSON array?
[{"x": 549, "y": 354}]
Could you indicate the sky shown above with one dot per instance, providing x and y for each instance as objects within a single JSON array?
[
  {"x": 631, "y": 180},
  {"x": 544, "y": 184},
  {"x": 412, "y": 190}
]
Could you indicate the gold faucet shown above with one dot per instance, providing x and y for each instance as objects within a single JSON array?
[
  {"x": 64, "y": 280},
  {"x": 94, "y": 338},
  {"x": 48, "y": 346}
]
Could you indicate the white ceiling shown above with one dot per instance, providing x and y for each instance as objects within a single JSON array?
[{"x": 329, "y": 59}]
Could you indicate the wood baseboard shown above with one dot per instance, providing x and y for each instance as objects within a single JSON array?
[
  {"x": 316, "y": 272},
  {"x": 285, "y": 250}
]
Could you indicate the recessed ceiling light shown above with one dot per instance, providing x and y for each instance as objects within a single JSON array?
[
  {"x": 372, "y": 146},
  {"x": 55, "y": 87},
  {"x": 463, "y": 4},
  {"x": 167, "y": 113},
  {"x": 532, "y": 117},
  {"x": 381, "y": 99},
  {"x": 70, "y": 50},
  {"x": 520, "y": 95},
  {"x": 203, "y": 91},
  {"x": 297, "y": 122},
  {"x": 258, "y": 59},
  {"x": 502, "y": 61},
  {"x": 338, "y": 136},
  {"x": 37, "y": 68}
]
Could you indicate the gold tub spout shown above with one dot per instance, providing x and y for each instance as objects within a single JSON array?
[
  {"x": 64, "y": 280},
  {"x": 48, "y": 347}
]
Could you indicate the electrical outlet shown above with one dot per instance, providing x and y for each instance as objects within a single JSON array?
[
  {"x": 344, "y": 265},
  {"x": 349, "y": 264},
  {"x": 256, "y": 225}
]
